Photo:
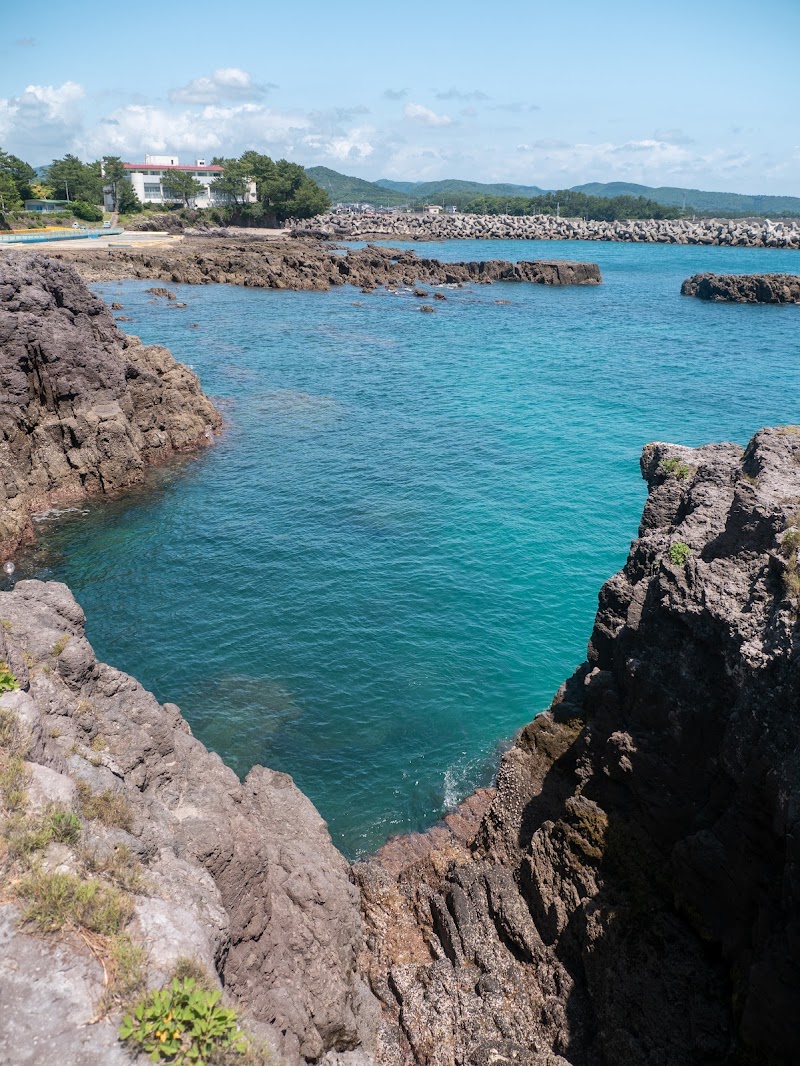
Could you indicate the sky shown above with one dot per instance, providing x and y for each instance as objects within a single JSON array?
[{"x": 703, "y": 95}]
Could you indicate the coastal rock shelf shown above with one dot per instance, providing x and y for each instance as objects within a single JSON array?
[
  {"x": 749, "y": 233},
  {"x": 83, "y": 407},
  {"x": 311, "y": 264},
  {"x": 630, "y": 892},
  {"x": 744, "y": 288}
]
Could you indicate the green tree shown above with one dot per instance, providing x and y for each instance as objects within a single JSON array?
[
  {"x": 183, "y": 186},
  {"x": 16, "y": 178},
  {"x": 234, "y": 182},
  {"x": 70, "y": 179},
  {"x": 116, "y": 179}
]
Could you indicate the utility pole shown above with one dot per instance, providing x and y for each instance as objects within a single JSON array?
[{"x": 66, "y": 186}]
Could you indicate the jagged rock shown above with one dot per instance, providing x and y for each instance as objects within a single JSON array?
[
  {"x": 631, "y": 892},
  {"x": 83, "y": 407},
  {"x": 309, "y": 264},
  {"x": 744, "y": 288},
  {"x": 242, "y": 876}
]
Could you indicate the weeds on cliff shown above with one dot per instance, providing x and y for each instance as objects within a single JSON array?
[
  {"x": 182, "y": 1024},
  {"x": 789, "y": 548},
  {"x": 120, "y": 867},
  {"x": 26, "y": 835},
  {"x": 60, "y": 644},
  {"x": 675, "y": 468},
  {"x": 14, "y": 780},
  {"x": 15, "y": 739},
  {"x": 125, "y": 964},
  {"x": 58, "y": 901},
  {"x": 679, "y": 553},
  {"x": 8, "y": 682},
  {"x": 109, "y": 807}
]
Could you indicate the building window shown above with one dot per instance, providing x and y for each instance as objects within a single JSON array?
[{"x": 152, "y": 191}]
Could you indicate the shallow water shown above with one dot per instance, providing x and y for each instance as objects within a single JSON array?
[{"x": 392, "y": 558}]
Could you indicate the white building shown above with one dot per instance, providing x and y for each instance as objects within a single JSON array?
[{"x": 150, "y": 181}]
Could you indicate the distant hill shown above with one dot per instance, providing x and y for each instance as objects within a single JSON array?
[
  {"x": 455, "y": 188},
  {"x": 346, "y": 190},
  {"x": 696, "y": 199},
  {"x": 388, "y": 193}
]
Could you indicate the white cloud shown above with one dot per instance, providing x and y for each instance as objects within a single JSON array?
[
  {"x": 42, "y": 115},
  {"x": 215, "y": 130},
  {"x": 420, "y": 113},
  {"x": 352, "y": 146},
  {"x": 226, "y": 83}
]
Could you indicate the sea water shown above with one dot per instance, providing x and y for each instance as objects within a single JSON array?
[{"x": 391, "y": 559}]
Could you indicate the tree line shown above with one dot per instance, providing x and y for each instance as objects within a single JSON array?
[
  {"x": 282, "y": 189},
  {"x": 569, "y": 204}
]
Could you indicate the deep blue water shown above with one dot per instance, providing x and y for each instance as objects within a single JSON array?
[{"x": 392, "y": 558}]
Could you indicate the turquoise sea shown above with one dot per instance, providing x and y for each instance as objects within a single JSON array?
[{"x": 391, "y": 559}]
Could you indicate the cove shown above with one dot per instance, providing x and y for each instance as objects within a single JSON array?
[{"x": 391, "y": 559}]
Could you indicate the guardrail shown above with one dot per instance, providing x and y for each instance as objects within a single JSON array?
[{"x": 69, "y": 235}]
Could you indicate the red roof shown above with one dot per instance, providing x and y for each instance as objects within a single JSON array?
[{"x": 166, "y": 166}]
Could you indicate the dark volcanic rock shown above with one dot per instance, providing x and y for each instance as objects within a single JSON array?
[
  {"x": 83, "y": 407},
  {"x": 309, "y": 264},
  {"x": 744, "y": 288},
  {"x": 631, "y": 895}
]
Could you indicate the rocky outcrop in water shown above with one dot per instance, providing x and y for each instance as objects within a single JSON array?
[
  {"x": 744, "y": 288},
  {"x": 740, "y": 233},
  {"x": 292, "y": 264},
  {"x": 83, "y": 407},
  {"x": 630, "y": 894},
  {"x": 240, "y": 877}
]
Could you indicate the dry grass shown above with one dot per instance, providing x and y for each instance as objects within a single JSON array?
[
  {"x": 61, "y": 901},
  {"x": 108, "y": 807}
]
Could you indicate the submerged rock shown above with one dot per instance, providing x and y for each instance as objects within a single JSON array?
[
  {"x": 83, "y": 407},
  {"x": 744, "y": 288}
]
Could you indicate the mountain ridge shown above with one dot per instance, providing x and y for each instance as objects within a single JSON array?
[{"x": 390, "y": 193}]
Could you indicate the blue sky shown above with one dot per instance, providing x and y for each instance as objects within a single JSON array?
[{"x": 696, "y": 94}]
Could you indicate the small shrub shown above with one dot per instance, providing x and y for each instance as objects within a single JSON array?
[
  {"x": 675, "y": 468},
  {"x": 182, "y": 1024},
  {"x": 8, "y": 683},
  {"x": 88, "y": 212},
  {"x": 109, "y": 807},
  {"x": 679, "y": 553},
  {"x": 14, "y": 736}
]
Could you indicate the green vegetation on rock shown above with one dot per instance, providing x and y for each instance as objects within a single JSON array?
[
  {"x": 679, "y": 553},
  {"x": 182, "y": 1024}
]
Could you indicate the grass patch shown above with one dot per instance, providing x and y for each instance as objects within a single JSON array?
[
  {"x": 108, "y": 807},
  {"x": 121, "y": 867},
  {"x": 679, "y": 553},
  {"x": 26, "y": 834},
  {"x": 60, "y": 644},
  {"x": 59, "y": 901},
  {"x": 126, "y": 971},
  {"x": 14, "y": 780}
]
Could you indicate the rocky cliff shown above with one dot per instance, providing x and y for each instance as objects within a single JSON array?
[
  {"x": 744, "y": 288},
  {"x": 83, "y": 407},
  {"x": 241, "y": 878},
  {"x": 630, "y": 892}
]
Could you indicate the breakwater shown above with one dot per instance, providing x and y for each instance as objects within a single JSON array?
[{"x": 740, "y": 233}]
